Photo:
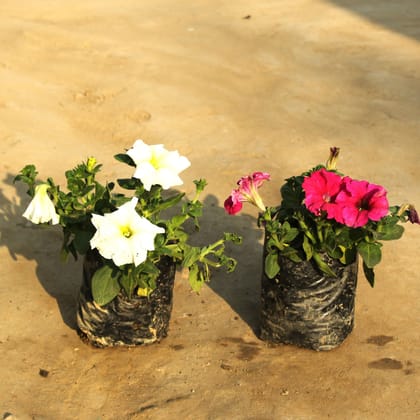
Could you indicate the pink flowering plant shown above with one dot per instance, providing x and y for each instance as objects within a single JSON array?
[
  {"x": 131, "y": 229},
  {"x": 324, "y": 213}
]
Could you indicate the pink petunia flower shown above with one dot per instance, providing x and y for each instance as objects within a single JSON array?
[
  {"x": 258, "y": 178},
  {"x": 361, "y": 202},
  {"x": 246, "y": 191},
  {"x": 233, "y": 204},
  {"x": 321, "y": 189}
]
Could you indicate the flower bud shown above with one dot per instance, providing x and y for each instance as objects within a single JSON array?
[
  {"x": 413, "y": 216},
  {"x": 332, "y": 160},
  {"x": 409, "y": 211},
  {"x": 90, "y": 164}
]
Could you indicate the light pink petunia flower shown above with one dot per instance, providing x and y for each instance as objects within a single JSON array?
[{"x": 246, "y": 191}]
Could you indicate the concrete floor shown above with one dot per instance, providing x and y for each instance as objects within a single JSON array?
[{"x": 236, "y": 87}]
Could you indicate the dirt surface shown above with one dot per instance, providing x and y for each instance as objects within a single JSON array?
[{"x": 237, "y": 87}]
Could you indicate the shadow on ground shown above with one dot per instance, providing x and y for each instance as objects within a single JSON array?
[
  {"x": 399, "y": 16},
  {"x": 240, "y": 289},
  {"x": 40, "y": 244}
]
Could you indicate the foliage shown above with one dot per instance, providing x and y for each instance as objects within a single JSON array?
[
  {"x": 339, "y": 222},
  {"x": 86, "y": 196}
]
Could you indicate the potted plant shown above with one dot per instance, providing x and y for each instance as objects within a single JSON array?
[
  {"x": 131, "y": 244},
  {"x": 312, "y": 242}
]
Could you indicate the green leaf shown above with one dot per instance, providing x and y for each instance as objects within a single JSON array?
[
  {"x": 369, "y": 274},
  {"x": 390, "y": 232},
  {"x": 232, "y": 237},
  {"x": 270, "y": 226},
  {"x": 81, "y": 241},
  {"x": 191, "y": 255},
  {"x": 331, "y": 244},
  {"x": 195, "y": 209},
  {"x": 195, "y": 278},
  {"x": 229, "y": 263},
  {"x": 27, "y": 175},
  {"x": 160, "y": 241},
  {"x": 272, "y": 244},
  {"x": 129, "y": 281},
  {"x": 323, "y": 266},
  {"x": 292, "y": 193},
  {"x": 288, "y": 233},
  {"x": 292, "y": 254},
  {"x": 171, "y": 201},
  {"x": 178, "y": 220},
  {"x": 370, "y": 252},
  {"x": 349, "y": 255},
  {"x": 141, "y": 280},
  {"x": 307, "y": 247},
  {"x": 335, "y": 253},
  {"x": 147, "y": 267},
  {"x": 72, "y": 249},
  {"x": 124, "y": 158},
  {"x": 128, "y": 183},
  {"x": 105, "y": 285},
  {"x": 271, "y": 265}
]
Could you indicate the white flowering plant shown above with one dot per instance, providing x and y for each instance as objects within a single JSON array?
[{"x": 130, "y": 233}]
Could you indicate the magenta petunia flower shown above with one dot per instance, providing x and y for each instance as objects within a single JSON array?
[
  {"x": 233, "y": 204},
  {"x": 321, "y": 189},
  {"x": 361, "y": 202},
  {"x": 258, "y": 178},
  {"x": 246, "y": 191}
]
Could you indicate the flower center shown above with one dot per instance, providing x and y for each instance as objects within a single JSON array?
[
  {"x": 326, "y": 198},
  {"x": 365, "y": 202},
  {"x": 362, "y": 206},
  {"x": 126, "y": 231},
  {"x": 155, "y": 161}
]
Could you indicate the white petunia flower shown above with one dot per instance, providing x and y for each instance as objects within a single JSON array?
[
  {"x": 157, "y": 166},
  {"x": 123, "y": 235},
  {"x": 41, "y": 209}
]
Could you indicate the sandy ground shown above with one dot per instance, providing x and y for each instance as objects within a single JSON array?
[{"x": 237, "y": 87}]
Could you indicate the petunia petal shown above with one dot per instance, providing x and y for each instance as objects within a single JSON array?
[
  {"x": 123, "y": 235},
  {"x": 41, "y": 209},
  {"x": 157, "y": 166}
]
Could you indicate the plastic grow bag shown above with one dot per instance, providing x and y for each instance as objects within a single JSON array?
[
  {"x": 123, "y": 321},
  {"x": 305, "y": 307}
]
